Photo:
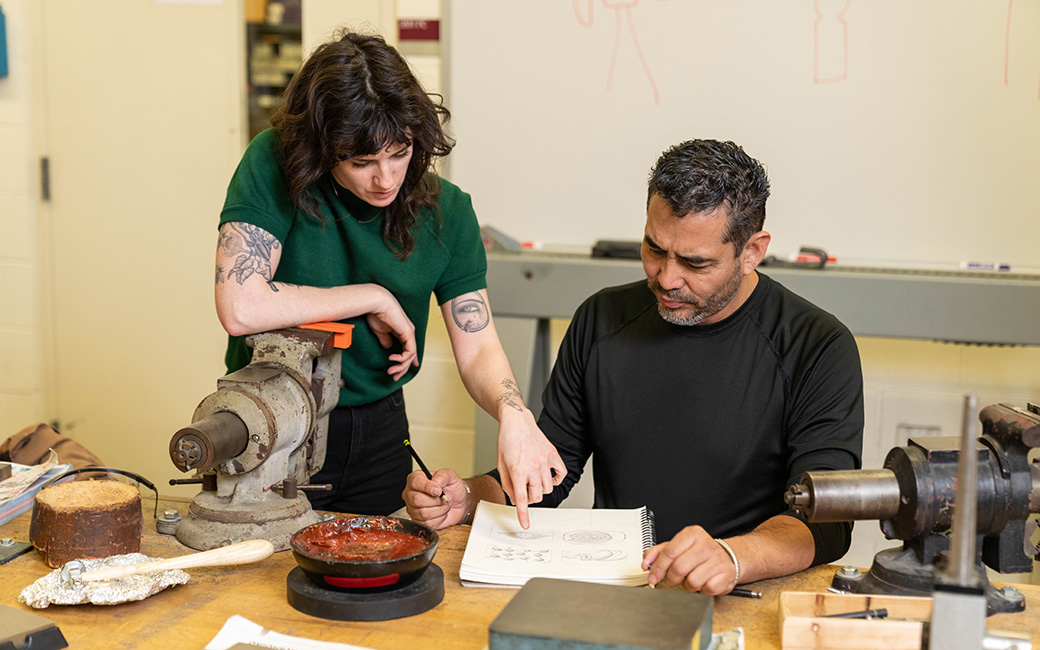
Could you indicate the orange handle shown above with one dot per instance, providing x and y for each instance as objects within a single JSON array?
[{"x": 342, "y": 332}]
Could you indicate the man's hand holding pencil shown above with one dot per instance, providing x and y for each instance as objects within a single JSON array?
[{"x": 436, "y": 499}]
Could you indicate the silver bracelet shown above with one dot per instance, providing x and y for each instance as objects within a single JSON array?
[
  {"x": 733, "y": 556},
  {"x": 468, "y": 493}
]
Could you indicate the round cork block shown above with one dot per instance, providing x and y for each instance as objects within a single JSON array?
[{"x": 86, "y": 519}]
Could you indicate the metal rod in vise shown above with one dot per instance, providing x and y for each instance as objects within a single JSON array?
[{"x": 962, "y": 545}]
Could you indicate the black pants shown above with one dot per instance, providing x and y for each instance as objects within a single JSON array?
[{"x": 366, "y": 460}]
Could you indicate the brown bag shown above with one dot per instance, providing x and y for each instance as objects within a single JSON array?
[{"x": 32, "y": 445}]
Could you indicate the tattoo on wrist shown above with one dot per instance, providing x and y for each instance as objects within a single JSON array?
[
  {"x": 470, "y": 312},
  {"x": 511, "y": 396},
  {"x": 251, "y": 248}
]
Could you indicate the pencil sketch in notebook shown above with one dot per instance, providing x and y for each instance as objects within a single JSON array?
[
  {"x": 593, "y": 536},
  {"x": 515, "y": 554},
  {"x": 522, "y": 534},
  {"x": 595, "y": 545},
  {"x": 603, "y": 555}
]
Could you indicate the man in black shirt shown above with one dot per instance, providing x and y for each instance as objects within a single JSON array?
[{"x": 702, "y": 393}]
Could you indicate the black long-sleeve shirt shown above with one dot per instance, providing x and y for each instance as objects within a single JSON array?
[{"x": 706, "y": 424}]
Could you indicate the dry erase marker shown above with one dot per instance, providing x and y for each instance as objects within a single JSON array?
[
  {"x": 809, "y": 257},
  {"x": 422, "y": 465},
  {"x": 985, "y": 266}
]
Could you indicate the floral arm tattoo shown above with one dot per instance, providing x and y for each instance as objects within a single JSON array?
[
  {"x": 251, "y": 247},
  {"x": 511, "y": 395},
  {"x": 470, "y": 312}
]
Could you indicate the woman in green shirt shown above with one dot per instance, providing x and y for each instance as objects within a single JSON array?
[{"x": 336, "y": 214}]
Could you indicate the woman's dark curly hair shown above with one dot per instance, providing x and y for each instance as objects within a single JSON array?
[{"x": 355, "y": 96}]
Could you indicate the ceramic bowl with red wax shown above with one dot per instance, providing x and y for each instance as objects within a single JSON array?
[{"x": 364, "y": 552}]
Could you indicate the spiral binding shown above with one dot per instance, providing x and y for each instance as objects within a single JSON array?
[{"x": 649, "y": 528}]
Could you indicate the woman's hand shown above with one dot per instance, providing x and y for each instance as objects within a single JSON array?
[
  {"x": 528, "y": 463},
  {"x": 389, "y": 322}
]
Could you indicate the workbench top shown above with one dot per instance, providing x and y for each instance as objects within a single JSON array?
[{"x": 189, "y": 616}]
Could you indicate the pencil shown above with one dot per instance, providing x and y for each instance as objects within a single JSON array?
[
  {"x": 422, "y": 465},
  {"x": 870, "y": 613}
]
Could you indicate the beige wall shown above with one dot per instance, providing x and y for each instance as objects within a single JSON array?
[{"x": 21, "y": 326}]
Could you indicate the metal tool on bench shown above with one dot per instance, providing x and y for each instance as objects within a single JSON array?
[
  {"x": 959, "y": 602},
  {"x": 263, "y": 433},
  {"x": 914, "y": 494},
  {"x": 246, "y": 552}
]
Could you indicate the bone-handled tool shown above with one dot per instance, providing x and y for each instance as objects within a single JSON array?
[{"x": 241, "y": 553}]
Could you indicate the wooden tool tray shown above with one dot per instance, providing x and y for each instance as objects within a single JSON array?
[{"x": 803, "y": 622}]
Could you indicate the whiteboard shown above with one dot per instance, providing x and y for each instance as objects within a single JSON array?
[{"x": 893, "y": 131}]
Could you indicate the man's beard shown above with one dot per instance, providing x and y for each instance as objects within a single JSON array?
[{"x": 715, "y": 303}]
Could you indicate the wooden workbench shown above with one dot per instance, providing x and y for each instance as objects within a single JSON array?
[{"x": 189, "y": 616}]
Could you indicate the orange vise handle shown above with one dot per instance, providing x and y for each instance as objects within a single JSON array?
[{"x": 342, "y": 332}]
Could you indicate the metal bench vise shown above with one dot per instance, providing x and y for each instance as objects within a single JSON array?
[
  {"x": 913, "y": 496},
  {"x": 263, "y": 434}
]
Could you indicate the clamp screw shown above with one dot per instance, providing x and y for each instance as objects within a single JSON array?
[
  {"x": 168, "y": 524},
  {"x": 6, "y": 541},
  {"x": 848, "y": 572},
  {"x": 1010, "y": 593}
]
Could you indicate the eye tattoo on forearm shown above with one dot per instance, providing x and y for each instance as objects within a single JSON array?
[
  {"x": 511, "y": 396},
  {"x": 251, "y": 247},
  {"x": 470, "y": 312}
]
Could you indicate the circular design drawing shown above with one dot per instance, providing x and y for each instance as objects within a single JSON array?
[{"x": 587, "y": 537}]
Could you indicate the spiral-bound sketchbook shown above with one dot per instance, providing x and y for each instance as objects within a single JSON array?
[{"x": 591, "y": 545}]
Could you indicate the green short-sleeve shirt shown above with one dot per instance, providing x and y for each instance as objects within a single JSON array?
[{"x": 448, "y": 259}]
